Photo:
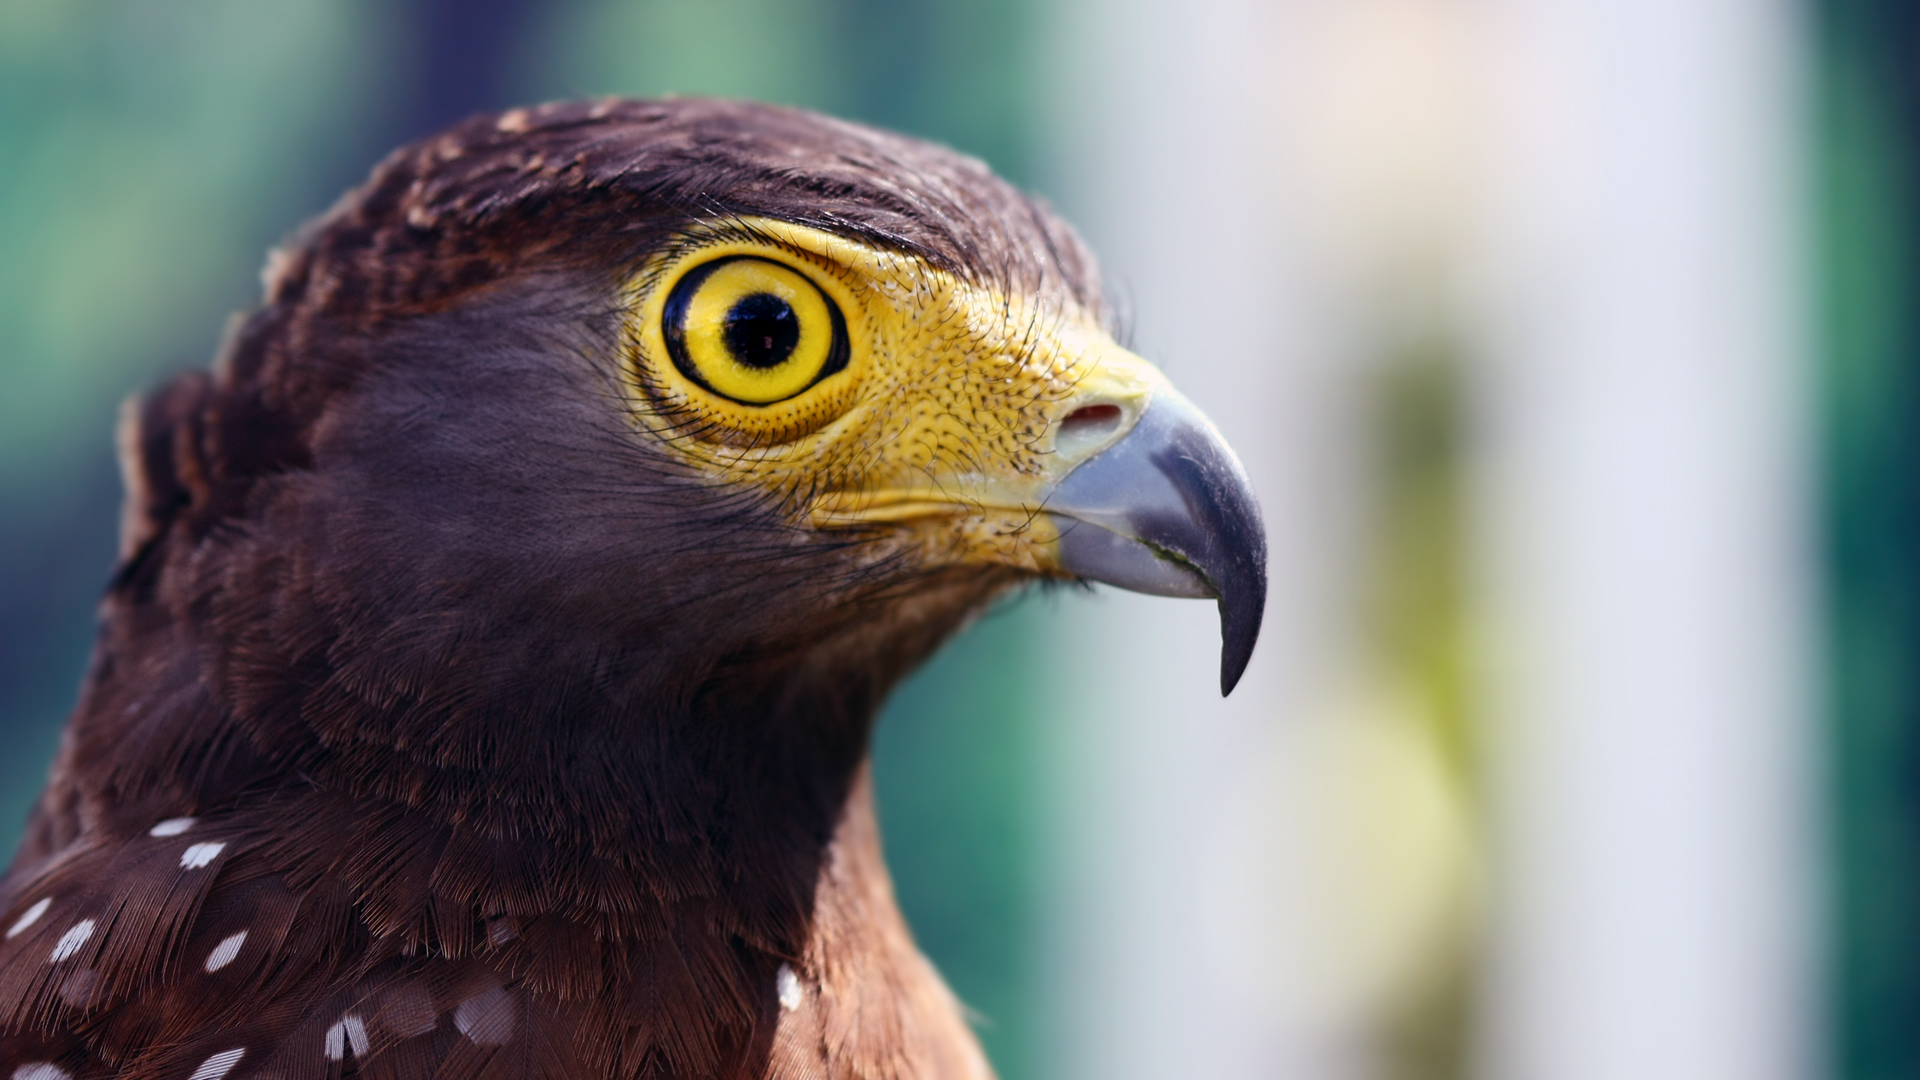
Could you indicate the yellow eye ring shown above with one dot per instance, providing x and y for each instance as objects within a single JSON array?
[{"x": 753, "y": 330}]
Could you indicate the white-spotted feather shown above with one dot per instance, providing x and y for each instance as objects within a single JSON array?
[
  {"x": 30, "y": 916},
  {"x": 72, "y": 941},
  {"x": 224, "y": 953},
  {"x": 219, "y": 1064}
]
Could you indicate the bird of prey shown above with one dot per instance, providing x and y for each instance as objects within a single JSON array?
[{"x": 485, "y": 683}]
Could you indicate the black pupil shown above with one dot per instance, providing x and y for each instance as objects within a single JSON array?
[{"x": 762, "y": 331}]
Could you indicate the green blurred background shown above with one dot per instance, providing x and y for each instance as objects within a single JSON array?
[{"x": 1867, "y": 146}]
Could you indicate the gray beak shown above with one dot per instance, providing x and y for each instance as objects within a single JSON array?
[{"x": 1168, "y": 511}]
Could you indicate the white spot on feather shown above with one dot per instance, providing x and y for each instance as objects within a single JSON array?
[
  {"x": 486, "y": 1018},
  {"x": 219, "y": 1064},
  {"x": 789, "y": 986},
  {"x": 173, "y": 826},
  {"x": 201, "y": 854},
  {"x": 351, "y": 1031},
  {"x": 224, "y": 953},
  {"x": 41, "y": 1070},
  {"x": 71, "y": 941},
  {"x": 30, "y": 916}
]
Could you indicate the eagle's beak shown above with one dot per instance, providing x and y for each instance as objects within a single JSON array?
[
  {"x": 1131, "y": 485},
  {"x": 1168, "y": 510}
]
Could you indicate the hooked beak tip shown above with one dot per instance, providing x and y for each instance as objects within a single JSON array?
[
  {"x": 1173, "y": 515},
  {"x": 1239, "y": 629}
]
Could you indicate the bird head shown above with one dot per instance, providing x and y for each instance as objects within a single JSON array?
[
  {"x": 648, "y": 408},
  {"x": 938, "y": 418}
]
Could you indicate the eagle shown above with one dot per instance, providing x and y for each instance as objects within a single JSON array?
[{"x": 485, "y": 682}]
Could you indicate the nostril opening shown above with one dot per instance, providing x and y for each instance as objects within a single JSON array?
[
  {"x": 1087, "y": 424},
  {"x": 1091, "y": 419}
]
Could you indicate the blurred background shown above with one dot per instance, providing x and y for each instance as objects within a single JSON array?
[{"x": 1570, "y": 344}]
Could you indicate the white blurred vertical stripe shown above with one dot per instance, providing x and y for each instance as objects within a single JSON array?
[
  {"x": 1647, "y": 544},
  {"x": 1603, "y": 194},
  {"x": 1167, "y": 945}
]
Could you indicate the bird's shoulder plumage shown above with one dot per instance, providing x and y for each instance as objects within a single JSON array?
[{"x": 302, "y": 936}]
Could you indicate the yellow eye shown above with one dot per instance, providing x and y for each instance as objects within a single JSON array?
[{"x": 753, "y": 330}]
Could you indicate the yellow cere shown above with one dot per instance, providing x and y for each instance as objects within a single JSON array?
[{"x": 937, "y": 430}]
